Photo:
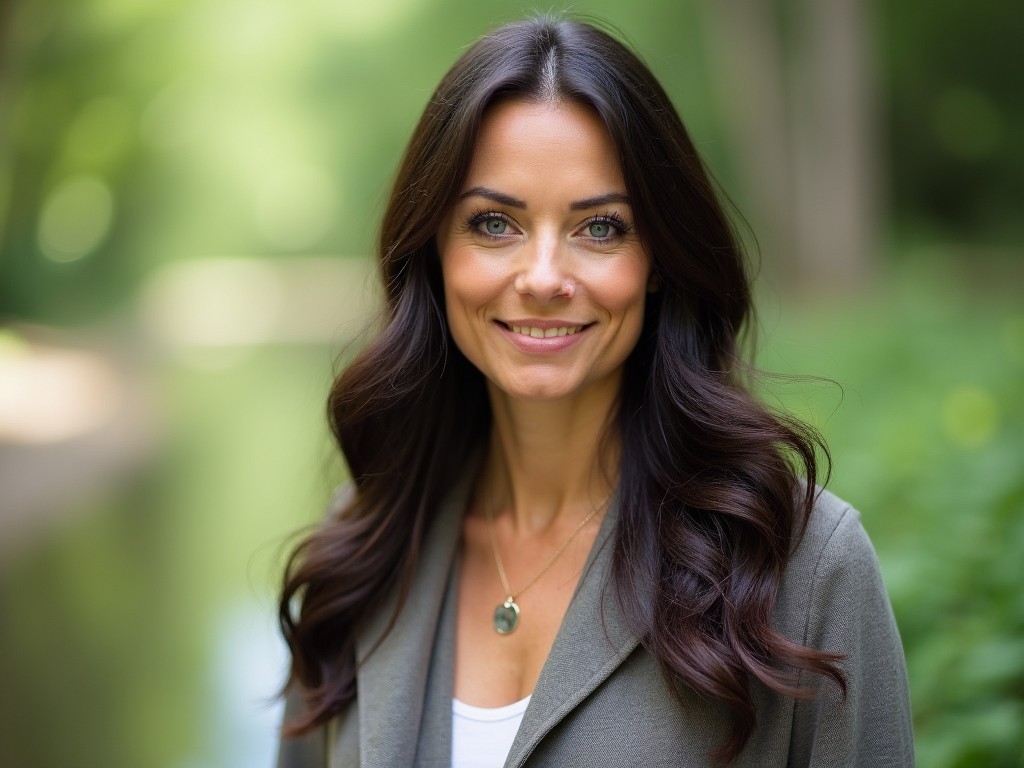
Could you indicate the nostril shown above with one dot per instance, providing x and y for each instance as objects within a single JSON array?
[{"x": 544, "y": 283}]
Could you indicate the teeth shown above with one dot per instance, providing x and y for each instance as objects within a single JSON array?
[{"x": 546, "y": 333}]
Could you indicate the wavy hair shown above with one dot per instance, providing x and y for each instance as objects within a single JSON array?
[{"x": 711, "y": 503}]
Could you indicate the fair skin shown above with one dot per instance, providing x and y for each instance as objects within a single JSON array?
[{"x": 545, "y": 282}]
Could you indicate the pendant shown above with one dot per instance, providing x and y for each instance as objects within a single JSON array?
[{"x": 506, "y": 616}]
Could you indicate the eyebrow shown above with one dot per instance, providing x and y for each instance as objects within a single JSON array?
[
  {"x": 594, "y": 202},
  {"x": 493, "y": 194},
  {"x": 514, "y": 202}
]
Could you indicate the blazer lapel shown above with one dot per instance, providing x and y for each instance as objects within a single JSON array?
[
  {"x": 392, "y": 679},
  {"x": 592, "y": 642},
  {"x": 416, "y": 658}
]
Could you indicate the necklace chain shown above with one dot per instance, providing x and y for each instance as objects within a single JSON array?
[{"x": 510, "y": 596}]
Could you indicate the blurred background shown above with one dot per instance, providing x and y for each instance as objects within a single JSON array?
[{"x": 189, "y": 191}]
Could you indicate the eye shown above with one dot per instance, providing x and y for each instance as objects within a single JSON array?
[
  {"x": 495, "y": 226},
  {"x": 491, "y": 224},
  {"x": 606, "y": 228}
]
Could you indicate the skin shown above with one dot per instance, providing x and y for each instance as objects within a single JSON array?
[{"x": 542, "y": 236}]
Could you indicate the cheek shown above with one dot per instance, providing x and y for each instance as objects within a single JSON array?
[
  {"x": 623, "y": 290},
  {"x": 624, "y": 298},
  {"x": 471, "y": 280},
  {"x": 462, "y": 284},
  {"x": 632, "y": 319},
  {"x": 469, "y": 287}
]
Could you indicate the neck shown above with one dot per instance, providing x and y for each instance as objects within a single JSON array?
[{"x": 550, "y": 461}]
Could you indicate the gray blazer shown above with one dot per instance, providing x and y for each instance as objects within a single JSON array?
[{"x": 601, "y": 699}]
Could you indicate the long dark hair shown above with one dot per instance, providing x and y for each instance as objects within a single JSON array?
[{"x": 711, "y": 503}]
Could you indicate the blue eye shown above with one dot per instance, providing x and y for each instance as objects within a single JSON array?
[
  {"x": 495, "y": 226},
  {"x": 605, "y": 229},
  {"x": 490, "y": 224}
]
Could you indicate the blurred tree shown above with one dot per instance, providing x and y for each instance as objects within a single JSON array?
[
  {"x": 799, "y": 96},
  {"x": 71, "y": 160}
]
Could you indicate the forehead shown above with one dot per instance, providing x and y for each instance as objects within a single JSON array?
[{"x": 541, "y": 143}]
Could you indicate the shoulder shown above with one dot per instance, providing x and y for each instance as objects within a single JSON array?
[
  {"x": 833, "y": 538},
  {"x": 833, "y": 570},
  {"x": 832, "y": 598}
]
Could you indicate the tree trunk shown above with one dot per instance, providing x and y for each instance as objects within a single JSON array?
[
  {"x": 802, "y": 116},
  {"x": 836, "y": 157}
]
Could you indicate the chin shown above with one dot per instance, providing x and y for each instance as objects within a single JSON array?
[
  {"x": 545, "y": 390},
  {"x": 539, "y": 394},
  {"x": 545, "y": 396}
]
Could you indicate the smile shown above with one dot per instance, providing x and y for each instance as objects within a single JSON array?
[{"x": 545, "y": 333}]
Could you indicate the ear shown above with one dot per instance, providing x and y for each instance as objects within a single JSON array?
[{"x": 653, "y": 283}]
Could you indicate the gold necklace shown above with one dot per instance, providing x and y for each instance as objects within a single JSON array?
[{"x": 506, "y": 615}]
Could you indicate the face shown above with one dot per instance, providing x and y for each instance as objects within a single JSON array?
[{"x": 545, "y": 276}]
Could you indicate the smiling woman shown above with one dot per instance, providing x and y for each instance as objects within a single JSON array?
[
  {"x": 574, "y": 537},
  {"x": 544, "y": 275}
]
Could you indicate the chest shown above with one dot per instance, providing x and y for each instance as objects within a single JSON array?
[{"x": 493, "y": 669}]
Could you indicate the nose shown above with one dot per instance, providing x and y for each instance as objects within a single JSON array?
[{"x": 543, "y": 272}]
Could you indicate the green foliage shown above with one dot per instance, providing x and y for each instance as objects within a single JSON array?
[
  {"x": 953, "y": 112},
  {"x": 926, "y": 421}
]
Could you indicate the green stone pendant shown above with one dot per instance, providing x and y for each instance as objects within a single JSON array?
[{"x": 506, "y": 617}]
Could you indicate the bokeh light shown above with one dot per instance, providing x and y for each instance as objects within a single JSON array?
[
  {"x": 970, "y": 416},
  {"x": 75, "y": 219}
]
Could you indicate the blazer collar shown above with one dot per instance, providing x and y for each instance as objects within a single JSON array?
[{"x": 414, "y": 663}]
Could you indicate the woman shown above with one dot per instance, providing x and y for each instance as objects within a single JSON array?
[{"x": 574, "y": 536}]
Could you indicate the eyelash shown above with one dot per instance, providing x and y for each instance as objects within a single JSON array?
[
  {"x": 474, "y": 221},
  {"x": 611, "y": 218}
]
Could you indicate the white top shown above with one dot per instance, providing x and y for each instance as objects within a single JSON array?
[{"x": 482, "y": 736}]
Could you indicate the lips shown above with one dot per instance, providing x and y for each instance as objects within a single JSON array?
[
  {"x": 542, "y": 337},
  {"x": 545, "y": 333}
]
